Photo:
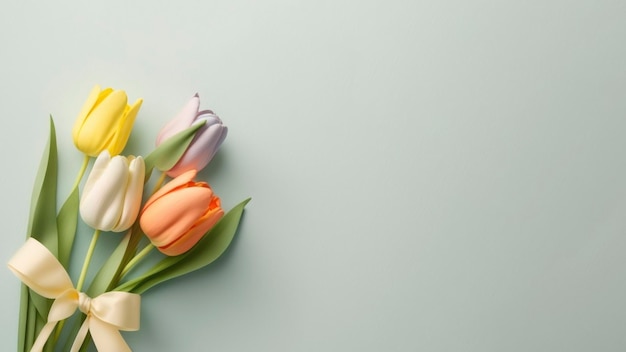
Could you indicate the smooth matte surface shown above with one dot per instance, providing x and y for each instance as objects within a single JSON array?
[{"x": 426, "y": 175}]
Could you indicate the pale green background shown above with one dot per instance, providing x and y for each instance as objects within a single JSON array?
[{"x": 426, "y": 175}]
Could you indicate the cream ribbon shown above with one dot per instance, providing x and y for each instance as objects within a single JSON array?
[{"x": 106, "y": 314}]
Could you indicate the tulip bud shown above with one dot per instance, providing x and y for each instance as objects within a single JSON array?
[
  {"x": 112, "y": 195},
  {"x": 177, "y": 216},
  {"x": 104, "y": 122},
  {"x": 206, "y": 141}
]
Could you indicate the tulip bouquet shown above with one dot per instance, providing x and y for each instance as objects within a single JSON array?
[{"x": 182, "y": 219}]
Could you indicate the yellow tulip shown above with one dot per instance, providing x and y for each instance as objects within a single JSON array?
[{"x": 104, "y": 122}]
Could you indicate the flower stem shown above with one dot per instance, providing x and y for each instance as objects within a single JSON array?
[
  {"x": 137, "y": 258},
  {"x": 148, "y": 248},
  {"x": 79, "y": 177},
  {"x": 83, "y": 272},
  {"x": 81, "y": 172}
]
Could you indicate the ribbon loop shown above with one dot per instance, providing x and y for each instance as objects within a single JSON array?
[{"x": 106, "y": 314}]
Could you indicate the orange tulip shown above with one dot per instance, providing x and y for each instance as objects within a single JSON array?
[{"x": 177, "y": 216}]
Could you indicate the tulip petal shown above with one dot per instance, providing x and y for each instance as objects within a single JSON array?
[
  {"x": 183, "y": 120},
  {"x": 96, "y": 171},
  {"x": 124, "y": 128},
  {"x": 132, "y": 199},
  {"x": 84, "y": 111},
  {"x": 101, "y": 207},
  {"x": 222, "y": 138},
  {"x": 212, "y": 138},
  {"x": 209, "y": 116},
  {"x": 175, "y": 213},
  {"x": 105, "y": 93},
  {"x": 99, "y": 128},
  {"x": 217, "y": 142},
  {"x": 170, "y": 186},
  {"x": 203, "y": 147},
  {"x": 200, "y": 151},
  {"x": 189, "y": 239}
]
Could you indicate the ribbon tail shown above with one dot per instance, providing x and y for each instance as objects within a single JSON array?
[
  {"x": 80, "y": 336},
  {"x": 107, "y": 337},
  {"x": 43, "y": 336}
]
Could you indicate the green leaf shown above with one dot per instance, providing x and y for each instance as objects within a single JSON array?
[
  {"x": 31, "y": 328},
  {"x": 207, "y": 250},
  {"x": 166, "y": 155},
  {"x": 22, "y": 332},
  {"x": 108, "y": 275},
  {"x": 36, "y": 322},
  {"x": 77, "y": 322},
  {"x": 67, "y": 221},
  {"x": 42, "y": 223},
  {"x": 41, "y": 307},
  {"x": 42, "y": 226}
]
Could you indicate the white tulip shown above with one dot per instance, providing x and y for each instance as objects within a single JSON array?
[{"x": 112, "y": 195}]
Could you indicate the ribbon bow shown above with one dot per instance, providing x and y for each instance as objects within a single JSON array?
[{"x": 106, "y": 314}]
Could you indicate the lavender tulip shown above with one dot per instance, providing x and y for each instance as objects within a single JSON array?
[{"x": 206, "y": 142}]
